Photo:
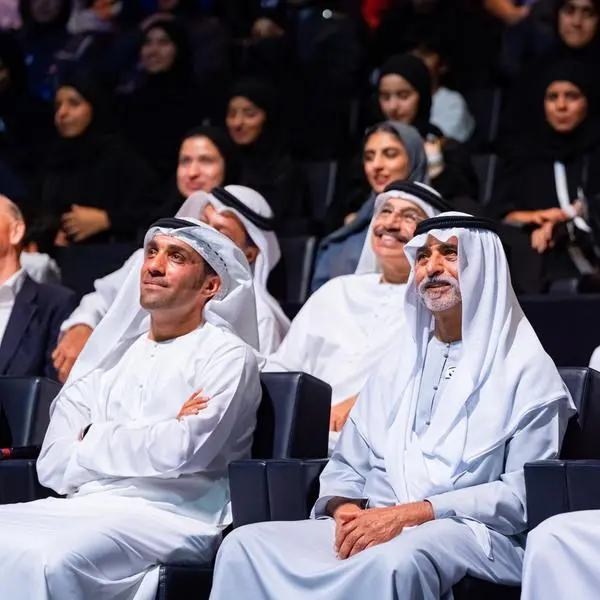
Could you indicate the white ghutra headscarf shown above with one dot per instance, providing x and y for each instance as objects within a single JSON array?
[{"x": 232, "y": 309}]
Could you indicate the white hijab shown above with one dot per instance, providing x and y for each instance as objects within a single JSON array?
[
  {"x": 368, "y": 262},
  {"x": 266, "y": 241},
  {"x": 503, "y": 373},
  {"x": 233, "y": 308}
]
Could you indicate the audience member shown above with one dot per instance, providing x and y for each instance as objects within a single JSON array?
[
  {"x": 426, "y": 483},
  {"x": 449, "y": 111},
  {"x": 93, "y": 184},
  {"x": 30, "y": 312},
  {"x": 404, "y": 93},
  {"x": 257, "y": 127},
  {"x": 143, "y": 432},
  {"x": 348, "y": 325},
  {"x": 551, "y": 182},
  {"x": 392, "y": 151},
  {"x": 238, "y": 212},
  {"x": 166, "y": 103}
]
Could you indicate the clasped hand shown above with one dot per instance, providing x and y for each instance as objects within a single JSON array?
[{"x": 357, "y": 529}]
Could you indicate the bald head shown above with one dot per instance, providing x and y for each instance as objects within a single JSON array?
[
  {"x": 10, "y": 208},
  {"x": 12, "y": 231}
]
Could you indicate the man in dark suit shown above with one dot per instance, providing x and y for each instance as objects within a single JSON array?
[{"x": 30, "y": 312}]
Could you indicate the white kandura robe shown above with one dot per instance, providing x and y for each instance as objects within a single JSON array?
[
  {"x": 561, "y": 561},
  {"x": 143, "y": 487},
  {"x": 95, "y": 305},
  {"x": 478, "y": 526}
]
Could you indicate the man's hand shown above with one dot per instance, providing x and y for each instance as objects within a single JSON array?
[
  {"x": 541, "y": 238},
  {"x": 193, "y": 405},
  {"x": 357, "y": 531},
  {"x": 537, "y": 217},
  {"x": 84, "y": 222},
  {"x": 339, "y": 413},
  {"x": 69, "y": 348}
]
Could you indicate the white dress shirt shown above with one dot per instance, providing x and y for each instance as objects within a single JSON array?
[{"x": 8, "y": 292}]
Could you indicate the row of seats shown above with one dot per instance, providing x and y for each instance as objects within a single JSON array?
[{"x": 288, "y": 456}]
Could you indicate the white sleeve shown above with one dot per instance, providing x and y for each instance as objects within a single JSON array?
[
  {"x": 95, "y": 305},
  {"x": 69, "y": 416},
  {"x": 293, "y": 353},
  {"x": 595, "y": 359},
  {"x": 269, "y": 339},
  {"x": 172, "y": 447}
]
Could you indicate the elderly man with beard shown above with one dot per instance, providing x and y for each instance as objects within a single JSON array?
[
  {"x": 347, "y": 325},
  {"x": 426, "y": 483}
]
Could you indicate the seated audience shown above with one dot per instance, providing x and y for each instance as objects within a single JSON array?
[
  {"x": 142, "y": 433},
  {"x": 31, "y": 312},
  {"x": 426, "y": 483},
  {"x": 347, "y": 326},
  {"x": 449, "y": 111},
  {"x": 405, "y": 94},
  {"x": 392, "y": 151},
  {"x": 238, "y": 212},
  {"x": 551, "y": 180},
  {"x": 92, "y": 183},
  {"x": 255, "y": 124},
  {"x": 166, "y": 103}
]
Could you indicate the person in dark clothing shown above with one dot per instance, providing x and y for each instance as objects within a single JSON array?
[
  {"x": 404, "y": 94},
  {"x": 167, "y": 103},
  {"x": 550, "y": 184},
  {"x": 207, "y": 159},
  {"x": 92, "y": 183},
  {"x": 24, "y": 119},
  {"x": 256, "y": 126}
]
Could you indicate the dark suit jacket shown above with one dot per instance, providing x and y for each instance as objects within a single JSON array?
[{"x": 33, "y": 327}]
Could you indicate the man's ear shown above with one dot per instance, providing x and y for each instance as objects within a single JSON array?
[
  {"x": 211, "y": 286},
  {"x": 17, "y": 233},
  {"x": 251, "y": 252}
]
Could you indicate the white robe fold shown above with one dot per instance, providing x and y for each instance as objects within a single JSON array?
[
  {"x": 95, "y": 305},
  {"x": 143, "y": 487},
  {"x": 561, "y": 561}
]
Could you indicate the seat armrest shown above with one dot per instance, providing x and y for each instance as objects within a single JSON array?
[
  {"x": 19, "y": 482},
  {"x": 273, "y": 490},
  {"x": 558, "y": 486}
]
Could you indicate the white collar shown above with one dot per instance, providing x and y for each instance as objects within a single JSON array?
[{"x": 12, "y": 286}]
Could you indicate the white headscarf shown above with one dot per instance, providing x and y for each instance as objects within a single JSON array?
[
  {"x": 503, "y": 373},
  {"x": 266, "y": 241},
  {"x": 233, "y": 308},
  {"x": 368, "y": 262}
]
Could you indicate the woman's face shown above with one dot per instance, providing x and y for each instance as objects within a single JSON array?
[
  {"x": 565, "y": 106},
  {"x": 399, "y": 101},
  {"x": 73, "y": 114},
  {"x": 201, "y": 166},
  {"x": 45, "y": 11},
  {"x": 577, "y": 22},
  {"x": 158, "y": 52},
  {"x": 385, "y": 160},
  {"x": 245, "y": 121}
]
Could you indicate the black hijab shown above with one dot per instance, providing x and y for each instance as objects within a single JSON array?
[
  {"x": 413, "y": 69},
  {"x": 537, "y": 139}
]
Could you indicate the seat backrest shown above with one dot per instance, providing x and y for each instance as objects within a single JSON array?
[
  {"x": 297, "y": 255},
  {"x": 485, "y": 105},
  {"x": 321, "y": 177},
  {"x": 82, "y": 264},
  {"x": 293, "y": 417},
  {"x": 582, "y": 439},
  {"x": 25, "y": 409},
  {"x": 484, "y": 166}
]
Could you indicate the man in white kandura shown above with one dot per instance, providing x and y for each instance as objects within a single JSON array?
[
  {"x": 162, "y": 398},
  {"x": 346, "y": 326},
  {"x": 238, "y": 212},
  {"x": 426, "y": 483},
  {"x": 561, "y": 561}
]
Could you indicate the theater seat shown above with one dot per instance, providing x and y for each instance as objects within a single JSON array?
[
  {"x": 24, "y": 417},
  {"x": 297, "y": 256}
]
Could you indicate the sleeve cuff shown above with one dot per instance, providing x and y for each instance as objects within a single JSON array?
[
  {"x": 78, "y": 318},
  {"x": 441, "y": 507},
  {"x": 320, "y": 509}
]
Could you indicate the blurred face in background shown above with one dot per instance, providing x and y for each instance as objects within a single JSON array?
[
  {"x": 158, "y": 51},
  {"x": 245, "y": 121},
  {"x": 577, "y": 22},
  {"x": 399, "y": 101},
  {"x": 565, "y": 106},
  {"x": 45, "y": 11},
  {"x": 384, "y": 160},
  {"x": 201, "y": 166},
  {"x": 73, "y": 113}
]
